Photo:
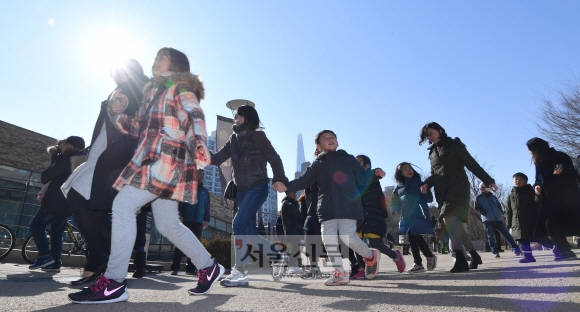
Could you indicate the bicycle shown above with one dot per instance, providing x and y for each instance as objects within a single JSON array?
[
  {"x": 7, "y": 240},
  {"x": 72, "y": 244}
]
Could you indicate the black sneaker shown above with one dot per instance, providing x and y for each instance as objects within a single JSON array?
[
  {"x": 566, "y": 256},
  {"x": 206, "y": 278},
  {"x": 41, "y": 262},
  {"x": 53, "y": 268},
  {"x": 104, "y": 291}
]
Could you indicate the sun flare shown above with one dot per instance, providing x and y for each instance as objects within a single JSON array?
[{"x": 106, "y": 48}]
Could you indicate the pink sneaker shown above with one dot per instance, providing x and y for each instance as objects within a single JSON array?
[
  {"x": 360, "y": 275},
  {"x": 372, "y": 264},
  {"x": 400, "y": 261}
]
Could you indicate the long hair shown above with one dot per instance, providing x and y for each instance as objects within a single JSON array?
[
  {"x": 538, "y": 147},
  {"x": 179, "y": 61},
  {"x": 251, "y": 118},
  {"x": 432, "y": 125},
  {"x": 399, "y": 177}
]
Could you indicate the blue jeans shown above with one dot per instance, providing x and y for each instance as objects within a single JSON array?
[
  {"x": 490, "y": 227},
  {"x": 244, "y": 226},
  {"x": 57, "y": 226}
]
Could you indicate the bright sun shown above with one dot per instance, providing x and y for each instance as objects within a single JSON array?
[{"x": 107, "y": 47}]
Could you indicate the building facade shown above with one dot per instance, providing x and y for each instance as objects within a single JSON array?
[{"x": 212, "y": 173}]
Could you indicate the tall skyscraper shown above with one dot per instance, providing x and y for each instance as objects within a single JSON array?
[
  {"x": 269, "y": 210},
  {"x": 300, "y": 154},
  {"x": 212, "y": 173}
]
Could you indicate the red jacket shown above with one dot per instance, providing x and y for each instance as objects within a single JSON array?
[{"x": 172, "y": 138}]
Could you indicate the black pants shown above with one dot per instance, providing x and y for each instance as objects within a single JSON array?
[
  {"x": 376, "y": 243},
  {"x": 560, "y": 225},
  {"x": 197, "y": 229},
  {"x": 418, "y": 243},
  {"x": 95, "y": 227}
]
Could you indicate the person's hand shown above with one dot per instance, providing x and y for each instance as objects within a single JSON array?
[
  {"x": 425, "y": 188},
  {"x": 380, "y": 173},
  {"x": 493, "y": 187},
  {"x": 205, "y": 224},
  {"x": 280, "y": 187},
  {"x": 558, "y": 169},
  {"x": 118, "y": 102},
  {"x": 538, "y": 189}
]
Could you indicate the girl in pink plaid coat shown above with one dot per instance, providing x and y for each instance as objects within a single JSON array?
[{"x": 170, "y": 126}]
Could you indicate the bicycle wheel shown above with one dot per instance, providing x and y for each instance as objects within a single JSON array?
[
  {"x": 29, "y": 250},
  {"x": 7, "y": 240}
]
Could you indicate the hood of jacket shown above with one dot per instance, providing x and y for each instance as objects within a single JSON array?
[
  {"x": 525, "y": 188},
  {"x": 51, "y": 150},
  {"x": 170, "y": 78},
  {"x": 445, "y": 142}
]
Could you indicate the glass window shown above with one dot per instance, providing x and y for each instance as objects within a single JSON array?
[
  {"x": 220, "y": 225},
  {"x": 14, "y": 195},
  {"x": 7, "y": 206}
]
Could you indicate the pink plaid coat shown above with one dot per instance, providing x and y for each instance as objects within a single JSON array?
[{"x": 172, "y": 138}]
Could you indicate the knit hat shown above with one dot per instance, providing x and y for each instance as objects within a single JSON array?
[{"x": 76, "y": 141}]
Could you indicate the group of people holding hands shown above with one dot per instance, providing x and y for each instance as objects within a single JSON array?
[{"x": 150, "y": 139}]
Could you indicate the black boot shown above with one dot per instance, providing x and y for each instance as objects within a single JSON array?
[
  {"x": 139, "y": 261},
  {"x": 461, "y": 264},
  {"x": 475, "y": 260}
]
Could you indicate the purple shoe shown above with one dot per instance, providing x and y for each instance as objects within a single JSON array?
[
  {"x": 207, "y": 278},
  {"x": 104, "y": 291}
]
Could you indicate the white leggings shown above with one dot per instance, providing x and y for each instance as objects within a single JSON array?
[
  {"x": 124, "y": 230},
  {"x": 346, "y": 230}
]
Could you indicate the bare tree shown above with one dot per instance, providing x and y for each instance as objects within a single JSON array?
[{"x": 560, "y": 122}]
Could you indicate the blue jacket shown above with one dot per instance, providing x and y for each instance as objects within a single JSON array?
[
  {"x": 411, "y": 204},
  {"x": 489, "y": 207},
  {"x": 199, "y": 212}
]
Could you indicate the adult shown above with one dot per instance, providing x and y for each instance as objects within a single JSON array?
[
  {"x": 559, "y": 207},
  {"x": 249, "y": 150},
  {"x": 449, "y": 158},
  {"x": 89, "y": 189},
  {"x": 54, "y": 209}
]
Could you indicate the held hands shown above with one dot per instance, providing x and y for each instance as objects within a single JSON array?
[
  {"x": 380, "y": 173},
  {"x": 425, "y": 188},
  {"x": 280, "y": 187},
  {"x": 558, "y": 169},
  {"x": 538, "y": 189},
  {"x": 118, "y": 102}
]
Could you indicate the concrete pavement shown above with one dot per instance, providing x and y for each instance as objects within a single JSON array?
[{"x": 500, "y": 284}]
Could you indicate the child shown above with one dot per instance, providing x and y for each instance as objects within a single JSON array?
[
  {"x": 340, "y": 178},
  {"x": 411, "y": 204},
  {"x": 292, "y": 230},
  {"x": 521, "y": 211},
  {"x": 374, "y": 226},
  {"x": 172, "y": 144}
]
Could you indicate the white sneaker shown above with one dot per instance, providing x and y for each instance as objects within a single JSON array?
[
  {"x": 293, "y": 270},
  {"x": 235, "y": 279},
  {"x": 337, "y": 279},
  {"x": 416, "y": 269},
  {"x": 431, "y": 263}
]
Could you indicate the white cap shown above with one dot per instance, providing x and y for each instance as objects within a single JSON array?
[{"x": 481, "y": 185}]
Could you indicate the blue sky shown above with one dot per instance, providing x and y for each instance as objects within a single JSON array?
[{"x": 373, "y": 71}]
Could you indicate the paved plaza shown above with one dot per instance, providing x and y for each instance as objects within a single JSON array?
[{"x": 500, "y": 284}]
